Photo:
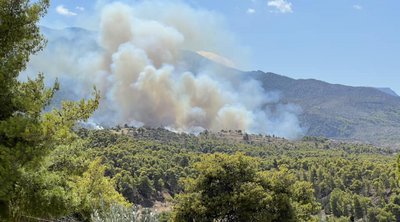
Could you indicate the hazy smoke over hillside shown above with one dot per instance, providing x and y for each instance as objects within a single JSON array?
[{"x": 137, "y": 66}]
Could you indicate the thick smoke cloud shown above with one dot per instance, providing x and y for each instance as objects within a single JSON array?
[{"x": 138, "y": 61}]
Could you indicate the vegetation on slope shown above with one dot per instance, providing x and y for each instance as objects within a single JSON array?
[
  {"x": 349, "y": 181},
  {"x": 50, "y": 171},
  {"x": 335, "y": 111}
]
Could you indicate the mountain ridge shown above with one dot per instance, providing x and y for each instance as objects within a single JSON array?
[
  {"x": 339, "y": 111},
  {"x": 336, "y": 111}
]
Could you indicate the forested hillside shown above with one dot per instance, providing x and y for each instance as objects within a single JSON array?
[
  {"x": 54, "y": 169},
  {"x": 349, "y": 181}
]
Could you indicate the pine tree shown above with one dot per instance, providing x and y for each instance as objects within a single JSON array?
[
  {"x": 27, "y": 135},
  {"x": 231, "y": 188},
  {"x": 358, "y": 210}
]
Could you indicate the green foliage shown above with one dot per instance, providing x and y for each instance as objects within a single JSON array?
[
  {"x": 341, "y": 203},
  {"x": 358, "y": 208},
  {"x": 48, "y": 171},
  {"x": 304, "y": 201},
  {"x": 231, "y": 188},
  {"x": 40, "y": 175},
  {"x": 358, "y": 171},
  {"x": 19, "y": 38},
  {"x": 95, "y": 191}
]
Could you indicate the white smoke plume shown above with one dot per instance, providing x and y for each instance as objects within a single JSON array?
[{"x": 137, "y": 61}]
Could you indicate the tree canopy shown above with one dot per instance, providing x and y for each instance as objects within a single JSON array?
[
  {"x": 28, "y": 135},
  {"x": 50, "y": 170},
  {"x": 231, "y": 188}
]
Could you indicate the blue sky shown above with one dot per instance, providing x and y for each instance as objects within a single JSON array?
[{"x": 351, "y": 42}]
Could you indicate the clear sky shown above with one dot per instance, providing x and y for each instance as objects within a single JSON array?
[{"x": 351, "y": 42}]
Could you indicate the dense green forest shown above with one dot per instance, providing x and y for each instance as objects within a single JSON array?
[
  {"x": 348, "y": 182},
  {"x": 51, "y": 169}
]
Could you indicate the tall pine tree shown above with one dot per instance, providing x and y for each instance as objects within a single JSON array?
[{"x": 27, "y": 134}]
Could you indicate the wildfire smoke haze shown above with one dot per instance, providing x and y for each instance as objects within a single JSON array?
[{"x": 137, "y": 59}]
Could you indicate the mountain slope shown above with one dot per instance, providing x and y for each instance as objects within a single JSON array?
[
  {"x": 388, "y": 91},
  {"x": 360, "y": 114},
  {"x": 341, "y": 112},
  {"x": 363, "y": 114}
]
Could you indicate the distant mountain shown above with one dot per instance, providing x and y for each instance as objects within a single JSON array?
[
  {"x": 388, "y": 91},
  {"x": 73, "y": 36},
  {"x": 335, "y": 111},
  {"x": 360, "y": 114}
]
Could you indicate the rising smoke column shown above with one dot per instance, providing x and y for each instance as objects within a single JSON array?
[{"x": 137, "y": 69}]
